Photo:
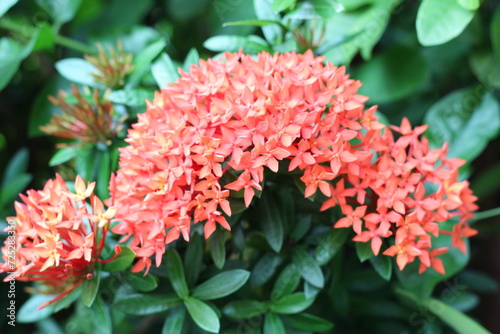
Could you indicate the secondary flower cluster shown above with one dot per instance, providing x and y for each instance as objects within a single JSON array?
[
  {"x": 244, "y": 114},
  {"x": 58, "y": 236}
]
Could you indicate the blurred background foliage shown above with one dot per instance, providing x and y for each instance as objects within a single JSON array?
[{"x": 433, "y": 61}]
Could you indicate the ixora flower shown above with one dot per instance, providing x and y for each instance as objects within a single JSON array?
[
  {"x": 244, "y": 114},
  {"x": 59, "y": 236}
]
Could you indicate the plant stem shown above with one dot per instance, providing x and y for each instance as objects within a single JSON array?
[{"x": 486, "y": 214}]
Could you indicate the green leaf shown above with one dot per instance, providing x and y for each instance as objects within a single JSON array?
[
  {"x": 102, "y": 318},
  {"x": 329, "y": 244},
  {"x": 263, "y": 10},
  {"x": 281, "y": 5},
  {"x": 264, "y": 269},
  {"x": 175, "y": 321},
  {"x": 45, "y": 37},
  {"x": 218, "y": 248},
  {"x": 486, "y": 67},
  {"x": 192, "y": 58},
  {"x": 287, "y": 282},
  {"x": 10, "y": 58},
  {"x": 327, "y": 8},
  {"x": 221, "y": 285},
  {"x": 310, "y": 290},
  {"x": 164, "y": 71},
  {"x": 439, "y": 21},
  {"x": 244, "y": 309},
  {"x": 193, "y": 259},
  {"x": 364, "y": 251},
  {"x": 77, "y": 70},
  {"x": 392, "y": 75},
  {"x": 122, "y": 261},
  {"x": 140, "y": 282},
  {"x": 103, "y": 172},
  {"x": 273, "y": 324},
  {"x": 63, "y": 155},
  {"x": 469, "y": 4},
  {"x": 495, "y": 32},
  {"x": 5, "y": 5},
  {"x": 466, "y": 119},
  {"x": 140, "y": 304},
  {"x": 90, "y": 287},
  {"x": 142, "y": 62},
  {"x": 257, "y": 23},
  {"x": 60, "y": 11},
  {"x": 232, "y": 43},
  {"x": 462, "y": 301},
  {"x": 477, "y": 281},
  {"x": 291, "y": 304},
  {"x": 308, "y": 267},
  {"x": 271, "y": 221},
  {"x": 175, "y": 272},
  {"x": 203, "y": 315},
  {"x": 453, "y": 318},
  {"x": 183, "y": 11},
  {"x": 29, "y": 311},
  {"x": 308, "y": 322},
  {"x": 382, "y": 265},
  {"x": 131, "y": 97}
]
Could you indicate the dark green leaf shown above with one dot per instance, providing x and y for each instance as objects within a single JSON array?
[
  {"x": 392, "y": 75},
  {"x": 175, "y": 321},
  {"x": 221, "y": 285},
  {"x": 90, "y": 287},
  {"x": 455, "y": 319},
  {"x": 273, "y": 324},
  {"x": 364, "y": 251},
  {"x": 77, "y": 70},
  {"x": 5, "y": 5},
  {"x": 103, "y": 173},
  {"x": 271, "y": 221},
  {"x": 477, "y": 281},
  {"x": 175, "y": 272},
  {"x": 286, "y": 283},
  {"x": 439, "y": 21},
  {"x": 218, "y": 248},
  {"x": 244, "y": 309},
  {"x": 495, "y": 32},
  {"x": 291, "y": 304},
  {"x": 122, "y": 261},
  {"x": 308, "y": 267},
  {"x": 140, "y": 304},
  {"x": 203, "y": 315},
  {"x": 193, "y": 259},
  {"x": 131, "y": 97},
  {"x": 486, "y": 68},
  {"x": 382, "y": 265},
  {"x": 102, "y": 318},
  {"x": 281, "y": 5},
  {"x": 142, "y": 62},
  {"x": 164, "y": 71},
  {"x": 308, "y": 322},
  {"x": 264, "y": 269},
  {"x": 182, "y": 11},
  {"x": 29, "y": 311},
  {"x": 232, "y": 43},
  {"x": 329, "y": 244},
  {"x": 140, "y": 282},
  {"x": 462, "y": 301}
]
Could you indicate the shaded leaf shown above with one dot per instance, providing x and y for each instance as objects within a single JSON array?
[
  {"x": 273, "y": 324},
  {"x": 175, "y": 321},
  {"x": 286, "y": 283},
  {"x": 308, "y": 267},
  {"x": 90, "y": 287},
  {"x": 244, "y": 309},
  {"x": 203, "y": 315},
  {"x": 122, "y": 261},
  {"x": 382, "y": 265},
  {"x": 140, "y": 304},
  {"x": 175, "y": 272},
  {"x": 291, "y": 304},
  {"x": 140, "y": 282},
  {"x": 308, "y": 322}
]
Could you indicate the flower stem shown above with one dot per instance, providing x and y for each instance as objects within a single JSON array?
[{"x": 486, "y": 214}]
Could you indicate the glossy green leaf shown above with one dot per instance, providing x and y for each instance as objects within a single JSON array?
[
  {"x": 193, "y": 259},
  {"x": 364, "y": 251},
  {"x": 164, "y": 71},
  {"x": 264, "y": 269},
  {"x": 122, "y": 261},
  {"x": 392, "y": 75},
  {"x": 175, "y": 272},
  {"x": 102, "y": 317},
  {"x": 244, "y": 309},
  {"x": 281, "y": 5},
  {"x": 29, "y": 311},
  {"x": 264, "y": 11},
  {"x": 291, "y": 304},
  {"x": 453, "y": 318},
  {"x": 218, "y": 248},
  {"x": 308, "y": 267},
  {"x": 329, "y": 244},
  {"x": 286, "y": 283},
  {"x": 467, "y": 119},
  {"x": 90, "y": 287},
  {"x": 140, "y": 304},
  {"x": 308, "y": 322},
  {"x": 131, "y": 97},
  {"x": 469, "y": 4},
  {"x": 142, "y": 62},
  {"x": 221, "y": 285},
  {"x": 5, "y": 5},
  {"x": 271, "y": 221},
  {"x": 232, "y": 43},
  {"x": 273, "y": 324},
  {"x": 439, "y": 21},
  {"x": 60, "y": 11},
  {"x": 10, "y": 59},
  {"x": 382, "y": 265},
  {"x": 140, "y": 282},
  {"x": 63, "y": 155},
  {"x": 175, "y": 321},
  {"x": 77, "y": 70},
  {"x": 192, "y": 58},
  {"x": 203, "y": 315}
]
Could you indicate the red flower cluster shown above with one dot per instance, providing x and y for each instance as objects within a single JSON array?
[
  {"x": 243, "y": 114},
  {"x": 58, "y": 236}
]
